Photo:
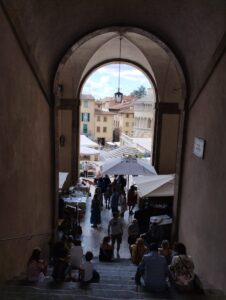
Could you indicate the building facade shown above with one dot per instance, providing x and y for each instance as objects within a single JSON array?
[
  {"x": 104, "y": 125},
  {"x": 87, "y": 118},
  {"x": 144, "y": 115}
]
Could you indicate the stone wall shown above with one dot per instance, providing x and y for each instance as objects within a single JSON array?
[
  {"x": 25, "y": 155},
  {"x": 202, "y": 219}
]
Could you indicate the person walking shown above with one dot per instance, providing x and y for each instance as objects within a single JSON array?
[
  {"x": 132, "y": 199},
  {"x": 123, "y": 203},
  {"x": 115, "y": 230},
  {"x": 95, "y": 218},
  {"x": 114, "y": 200},
  {"x": 85, "y": 169}
]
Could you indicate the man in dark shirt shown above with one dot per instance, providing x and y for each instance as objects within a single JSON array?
[{"x": 153, "y": 270}]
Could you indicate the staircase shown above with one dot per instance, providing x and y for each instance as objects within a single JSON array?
[{"x": 116, "y": 282}]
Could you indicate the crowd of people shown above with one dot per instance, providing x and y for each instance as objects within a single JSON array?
[
  {"x": 67, "y": 260},
  {"x": 158, "y": 265}
]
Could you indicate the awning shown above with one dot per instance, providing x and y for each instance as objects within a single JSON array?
[
  {"x": 88, "y": 151},
  {"x": 85, "y": 141},
  {"x": 155, "y": 186},
  {"x": 62, "y": 178}
]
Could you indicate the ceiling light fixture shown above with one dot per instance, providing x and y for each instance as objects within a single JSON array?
[{"x": 119, "y": 95}]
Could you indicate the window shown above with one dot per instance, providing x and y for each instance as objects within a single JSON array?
[
  {"x": 127, "y": 124},
  {"x": 98, "y": 128},
  {"x": 85, "y": 117},
  {"x": 104, "y": 129},
  {"x": 105, "y": 119},
  {"x": 85, "y": 103},
  {"x": 127, "y": 116},
  {"x": 98, "y": 118},
  {"x": 149, "y": 123},
  {"x": 85, "y": 128}
]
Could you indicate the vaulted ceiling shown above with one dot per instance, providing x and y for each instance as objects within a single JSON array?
[{"x": 181, "y": 29}]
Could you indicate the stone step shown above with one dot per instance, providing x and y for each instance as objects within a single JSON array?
[
  {"x": 97, "y": 291},
  {"x": 116, "y": 282}
]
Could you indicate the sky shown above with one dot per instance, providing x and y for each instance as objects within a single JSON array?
[{"x": 104, "y": 81}]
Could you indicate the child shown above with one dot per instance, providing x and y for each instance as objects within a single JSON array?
[
  {"x": 87, "y": 272},
  {"x": 36, "y": 267}
]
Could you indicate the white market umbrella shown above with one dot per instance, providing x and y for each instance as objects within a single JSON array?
[
  {"x": 127, "y": 166},
  {"x": 156, "y": 186}
]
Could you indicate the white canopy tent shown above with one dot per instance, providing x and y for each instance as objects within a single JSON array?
[
  {"x": 88, "y": 151},
  {"x": 119, "y": 152},
  {"x": 62, "y": 178},
  {"x": 155, "y": 186},
  {"x": 85, "y": 141}
]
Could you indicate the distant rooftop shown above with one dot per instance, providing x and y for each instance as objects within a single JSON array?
[
  {"x": 103, "y": 112},
  {"x": 87, "y": 97}
]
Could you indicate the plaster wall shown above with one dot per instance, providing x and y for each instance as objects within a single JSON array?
[
  {"x": 65, "y": 128},
  {"x": 25, "y": 159},
  {"x": 202, "y": 220}
]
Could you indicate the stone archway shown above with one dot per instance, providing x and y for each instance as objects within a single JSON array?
[{"x": 140, "y": 48}]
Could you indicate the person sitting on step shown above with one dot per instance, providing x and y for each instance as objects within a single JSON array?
[
  {"x": 137, "y": 251},
  {"x": 165, "y": 251},
  {"x": 62, "y": 267},
  {"x": 153, "y": 271},
  {"x": 182, "y": 269},
  {"x": 76, "y": 255},
  {"x": 87, "y": 272},
  {"x": 133, "y": 232},
  {"x": 36, "y": 267},
  {"x": 106, "y": 250}
]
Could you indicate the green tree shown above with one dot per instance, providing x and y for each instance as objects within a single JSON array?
[{"x": 140, "y": 92}]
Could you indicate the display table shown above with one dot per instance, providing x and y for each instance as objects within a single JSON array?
[
  {"x": 79, "y": 190},
  {"x": 161, "y": 220},
  {"x": 79, "y": 202},
  {"x": 165, "y": 224}
]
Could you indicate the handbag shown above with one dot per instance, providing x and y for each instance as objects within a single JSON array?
[{"x": 186, "y": 267}]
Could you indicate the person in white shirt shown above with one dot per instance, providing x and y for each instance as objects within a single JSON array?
[
  {"x": 76, "y": 254},
  {"x": 87, "y": 271},
  {"x": 85, "y": 169},
  {"x": 115, "y": 230}
]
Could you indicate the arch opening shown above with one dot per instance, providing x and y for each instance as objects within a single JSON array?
[{"x": 147, "y": 53}]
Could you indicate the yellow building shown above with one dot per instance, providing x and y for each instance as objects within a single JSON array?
[
  {"x": 124, "y": 118},
  {"x": 87, "y": 119},
  {"x": 126, "y": 121},
  {"x": 104, "y": 126}
]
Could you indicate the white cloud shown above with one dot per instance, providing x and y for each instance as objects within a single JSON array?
[{"x": 104, "y": 81}]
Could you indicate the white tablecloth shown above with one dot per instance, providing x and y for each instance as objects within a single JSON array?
[
  {"x": 71, "y": 200},
  {"x": 161, "y": 220}
]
